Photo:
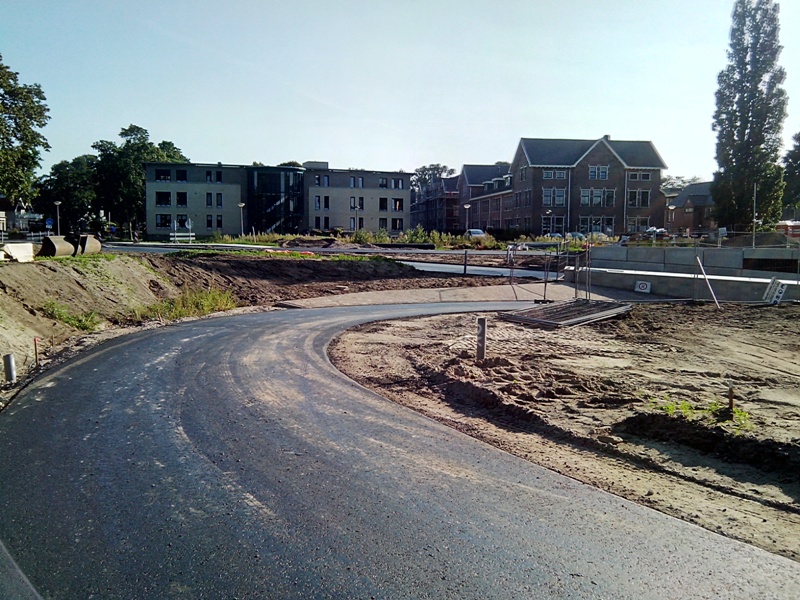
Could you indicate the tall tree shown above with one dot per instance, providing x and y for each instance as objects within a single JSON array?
[
  {"x": 22, "y": 112},
  {"x": 751, "y": 108},
  {"x": 791, "y": 164},
  {"x": 121, "y": 174},
  {"x": 426, "y": 175}
]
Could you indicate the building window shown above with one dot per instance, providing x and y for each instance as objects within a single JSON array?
[
  {"x": 597, "y": 225},
  {"x": 598, "y": 172},
  {"x": 633, "y": 176},
  {"x": 208, "y": 176},
  {"x": 326, "y": 181},
  {"x": 523, "y": 171},
  {"x": 397, "y": 205},
  {"x": 383, "y": 183},
  {"x": 547, "y": 174},
  {"x": 219, "y": 221},
  {"x": 326, "y": 221},
  {"x": 638, "y": 224},
  {"x": 316, "y": 180},
  {"x": 352, "y": 181},
  {"x": 397, "y": 183},
  {"x": 383, "y": 223},
  {"x": 219, "y": 176},
  {"x": 585, "y": 195},
  {"x": 397, "y": 224},
  {"x": 180, "y": 176},
  {"x": 561, "y": 195},
  {"x": 645, "y": 176},
  {"x": 638, "y": 198},
  {"x": 326, "y": 203},
  {"x": 361, "y": 182},
  {"x": 163, "y": 175},
  {"x": 209, "y": 199},
  {"x": 181, "y": 198},
  {"x": 547, "y": 196},
  {"x": 353, "y": 204},
  {"x": 219, "y": 199},
  {"x": 182, "y": 220},
  {"x": 561, "y": 174},
  {"x": 550, "y": 224},
  {"x": 597, "y": 197},
  {"x": 352, "y": 223},
  {"x": 163, "y": 198},
  {"x": 317, "y": 222},
  {"x": 209, "y": 222},
  {"x": 609, "y": 197},
  {"x": 163, "y": 221},
  {"x": 317, "y": 204},
  {"x": 383, "y": 204}
]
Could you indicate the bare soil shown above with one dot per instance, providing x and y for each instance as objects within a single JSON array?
[{"x": 637, "y": 406}]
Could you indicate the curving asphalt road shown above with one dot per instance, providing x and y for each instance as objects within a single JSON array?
[{"x": 226, "y": 458}]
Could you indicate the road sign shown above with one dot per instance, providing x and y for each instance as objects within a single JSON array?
[
  {"x": 48, "y": 223},
  {"x": 642, "y": 286},
  {"x": 774, "y": 292}
]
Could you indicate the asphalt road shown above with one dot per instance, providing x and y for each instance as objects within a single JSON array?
[{"x": 226, "y": 458}]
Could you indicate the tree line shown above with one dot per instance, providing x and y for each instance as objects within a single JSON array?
[{"x": 753, "y": 183}]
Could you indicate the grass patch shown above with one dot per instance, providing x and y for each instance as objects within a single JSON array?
[
  {"x": 81, "y": 259},
  {"x": 87, "y": 321},
  {"x": 188, "y": 304}
]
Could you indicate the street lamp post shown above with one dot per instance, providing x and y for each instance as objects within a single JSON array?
[
  {"x": 466, "y": 208},
  {"x": 58, "y": 217},
  {"x": 241, "y": 219}
]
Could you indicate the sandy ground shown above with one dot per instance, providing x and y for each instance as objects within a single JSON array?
[{"x": 637, "y": 406}]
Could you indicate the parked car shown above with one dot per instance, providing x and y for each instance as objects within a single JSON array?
[{"x": 474, "y": 233}]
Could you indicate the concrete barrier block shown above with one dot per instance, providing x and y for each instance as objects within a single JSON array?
[
  {"x": 19, "y": 252},
  {"x": 642, "y": 254},
  {"x": 722, "y": 257},
  {"x": 612, "y": 253}
]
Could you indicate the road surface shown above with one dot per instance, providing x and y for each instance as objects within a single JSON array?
[{"x": 226, "y": 458}]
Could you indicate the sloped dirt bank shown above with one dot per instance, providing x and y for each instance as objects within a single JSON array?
[
  {"x": 109, "y": 287},
  {"x": 637, "y": 406}
]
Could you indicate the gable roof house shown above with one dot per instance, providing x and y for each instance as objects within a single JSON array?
[
  {"x": 478, "y": 180},
  {"x": 601, "y": 186},
  {"x": 694, "y": 210}
]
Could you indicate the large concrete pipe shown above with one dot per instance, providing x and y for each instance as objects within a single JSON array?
[{"x": 56, "y": 245}]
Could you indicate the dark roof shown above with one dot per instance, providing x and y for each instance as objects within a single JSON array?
[
  {"x": 477, "y": 174},
  {"x": 699, "y": 193},
  {"x": 567, "y": 153},
  {"x": 450, "y": 183}
]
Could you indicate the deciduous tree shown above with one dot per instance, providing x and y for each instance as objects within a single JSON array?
[
  {"x": 121, "y": 173},
  {"x": 426, "y": 175},
  {"x": 791, "y": 163},
  {"x": 22, "y": 113},
  {"x": 751, "y": 108},
  {"x": 73, "y": 184}
]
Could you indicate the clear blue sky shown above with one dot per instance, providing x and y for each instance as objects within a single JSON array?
[{"x": 377, "y": 84}]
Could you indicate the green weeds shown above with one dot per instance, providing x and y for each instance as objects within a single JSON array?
[
  {"x": 87, "y": 321},
  {"x": 188, "y": 304}
]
